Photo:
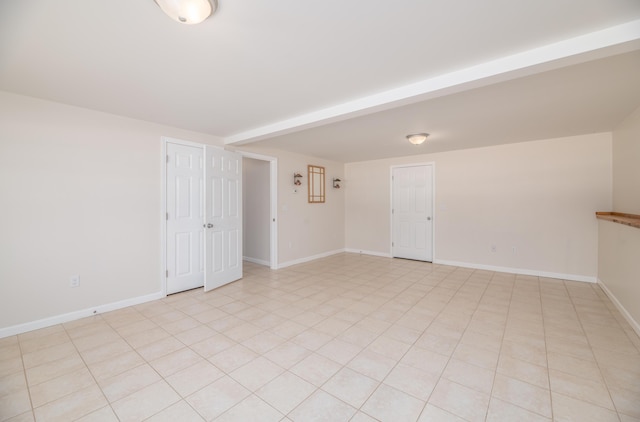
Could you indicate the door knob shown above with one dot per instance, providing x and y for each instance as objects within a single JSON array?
[
  {"x": 428, "y": 218},
  {"x": 209, "y": 225}
]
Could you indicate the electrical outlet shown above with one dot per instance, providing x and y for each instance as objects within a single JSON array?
[
  {"x": 513, "y": 249},
  {"x": 493, "y": 248},
  {"x": 74, "y": 281}
]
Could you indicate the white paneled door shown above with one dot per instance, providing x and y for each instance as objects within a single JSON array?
[
  {"x": 185, "y": 217},
  {"x": 223, "y": 216},
  {"x": 204, "y": 217},
  {"x": 412, "y": 212}
]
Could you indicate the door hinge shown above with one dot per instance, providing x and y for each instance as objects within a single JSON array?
[
  {"x": 393, "y": 244},
  {"x": 167, "y": 216},
  {"x": 167, "y": 158},
  {"x": 167, "y": 273},
  {"x": 393, "y": 211}
]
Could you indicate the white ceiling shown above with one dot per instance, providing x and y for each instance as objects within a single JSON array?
[{"x": 335, "y": 79}]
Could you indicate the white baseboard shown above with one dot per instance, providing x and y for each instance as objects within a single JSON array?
[
  {"x": 572, "y": 277},
  {"x": 309, "y": 258},
  {"x": 72, "y": 316},
  {"x": 373, "y": 253},
  {"x": 634, "y": 324},
  {"x": 256, "y": 261}
]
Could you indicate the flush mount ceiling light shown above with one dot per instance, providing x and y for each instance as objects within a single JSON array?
[
  {"x": 417, "y": 138},
  {"x": 188, "y": 11}
]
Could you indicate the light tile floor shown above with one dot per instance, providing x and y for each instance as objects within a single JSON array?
[{"x": 348, "y": 337}]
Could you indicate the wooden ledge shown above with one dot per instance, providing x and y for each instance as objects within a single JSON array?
[{"x": 632, "y": 220}]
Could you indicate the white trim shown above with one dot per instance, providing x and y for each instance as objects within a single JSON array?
[
  {"x": 273, "y": 187},
  {"x": 522, "y": 271},
  {"x": 72, "y": 316},
  {"x": 634, "y": 324},
  {"x": 373, "y": 253},
  {"x": 310, "y": 258},
  {"x": 256, "y": 261},
  {"x": 433, "y": 204}
]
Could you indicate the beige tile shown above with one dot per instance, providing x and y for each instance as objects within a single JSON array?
[
  {"x": 36, "y": 343},
  {"x": 23, "y": 417},
  {"x": 146, "y": 402},
  {"x": 72, "y": 406},
  {"x": 15, "y": 403},
  {"x": 180, "y": 411},
  {"x": 160, "y": 348},
  {"x": 233, "y": 358},
  {"x": 128, "y": 382},
  {"x": 11, "y": 366},
  {"x": 191, "y": 379},
  {"x": 48, "y": 354},
  {"x": 500, "y": 411},
  {"x": 372, "y": 364},
  {"x": 256, "y": 373},
  {"x": 12, "y": 383},
  {"x": 311, "y": 339},
  {"x": 288, "y": 329},
  {"x": 315, "y": 369},
  {"x": 227, "y": 393},
  {"x": 212, "y": 345},
  {"x": 95, "y": 340},
  {"x": 426, "y": 360},
  {"x": 10, "y": 351},
  {"x": 196, "y": 334},
  {"x": 524, "y": 371},
  {"x": 358, "y": 336},
  {"x": 116, "y": 365},
  {"x": 572, "y": 365},
  {"x": 568, "y": 409},
  {"x": 362, "y": 417},
  {"x": 389, "y": 404},
  {"x": 104, "y": 414},
  {"x": 263, "y": 342},
  {"x": 251, "y": 409},
  {"x": 471, "y": 376},
  {"x": 287, "y": 354},
  {"x": 175, "y": 361},
  {"x": 339, "y": 351},
  {"x": 145, "y": 337},
  {"x": 522, "y": 394},
  {"x": 413, "y": 381},
  {"x": 479, "y": 357},
  {"x": 105, "y": 351},
  {"x": 594, "y": 392},
  {"x": 627, "y": 402},
  {"x": 459, "y": 400},
  {"x": 431, "y": 413},
  {"x": 286, "y": 392},
  {"x": 242, "y": 332},
  {"x": 389, "y": 347},
  {"x": 531, "y": 354},
  {"x": 351, "y": 387},
  {"x": 322, "y": 407},
  {"x": 58, "y": 387}
]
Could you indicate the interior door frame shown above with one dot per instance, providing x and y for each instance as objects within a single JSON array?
[
  {"x": 433, "y": 205},
  {"x": 273, "y": 195}
]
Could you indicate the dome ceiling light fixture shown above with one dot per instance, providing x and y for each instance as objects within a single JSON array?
[
  {"x": 417, "y": 138},
  {"x": 188, "y": 12}
]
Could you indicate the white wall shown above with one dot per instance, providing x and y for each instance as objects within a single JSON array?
[
  {"x": 626, "y": 165},
  {"x": 306, "y": 230},
  {"x": 539, "y": 197},
  {"x": 619, "y": 245},
  {"x": 256, "y": 210},
  {"x": 81, "y": 194}
]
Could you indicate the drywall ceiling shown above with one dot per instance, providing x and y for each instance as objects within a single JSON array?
[{"x": 308, "y": 76}]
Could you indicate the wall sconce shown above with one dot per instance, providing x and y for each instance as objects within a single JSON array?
[
  {"x": 336, "y": 183},
  {"x": 296, "y": 179}
]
